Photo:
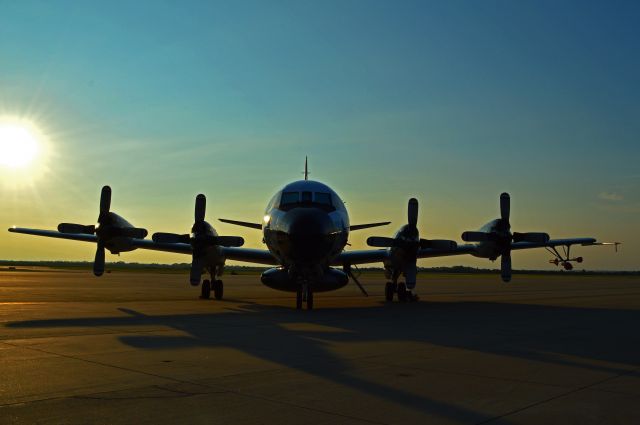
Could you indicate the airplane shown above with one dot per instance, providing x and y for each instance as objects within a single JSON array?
[{"x": 306, "y": 229}]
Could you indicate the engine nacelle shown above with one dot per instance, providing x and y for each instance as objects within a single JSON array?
[{"x": 279, "y": 278}]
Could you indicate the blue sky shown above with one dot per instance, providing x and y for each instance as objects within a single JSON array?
[{"x": 451, "y": 102}]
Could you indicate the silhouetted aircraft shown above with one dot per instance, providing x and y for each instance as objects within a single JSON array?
[{"x": 306, "y": 228}]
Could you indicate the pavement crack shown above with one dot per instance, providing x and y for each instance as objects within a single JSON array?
[{"x": 541, "y": 402}]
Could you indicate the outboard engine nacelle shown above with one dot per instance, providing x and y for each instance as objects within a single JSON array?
[{"x": 280, "y": 279}]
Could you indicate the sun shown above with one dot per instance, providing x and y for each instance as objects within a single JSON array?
[{"x": 19, "y": 145}]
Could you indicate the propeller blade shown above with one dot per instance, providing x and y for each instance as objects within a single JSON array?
[
  {"x": 201, "y": 208},
  {"x": 505, "y": 206},
  {"x": 505, "y": 266},
  {"x": 412, "y": 213},
  {"x": 228, "y": 241},
  {"x": 476, "y": 236},
  {"x": 196, "y": 270},
  {"x": 134, "y": 232},
  {"x": 105, "y": 200},
  {"x": 534, "y": 237},
  {"x": 438, "y": 244},
  {"x": 76, "y": 228},
  {"x": 170, "y": 238},
  {"x": 98, "y": 262},
  {"x": 381, "y": 242}
]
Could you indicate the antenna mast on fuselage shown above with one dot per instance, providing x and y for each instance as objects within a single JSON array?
[{"x": 306, "y": 169}]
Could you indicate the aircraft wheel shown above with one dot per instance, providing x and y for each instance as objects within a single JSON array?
[
  {"x": 402, "y": 292},
  {"x": 299, "y": 298},
  {"x": 205, "y": 291},
  {"x": 309, "y": 299},
  {"x": 218, "y": 289},
  {"x": 389, "y": 290}
]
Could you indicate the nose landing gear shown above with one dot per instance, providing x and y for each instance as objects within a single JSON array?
[{"x": 304, "y": 294}]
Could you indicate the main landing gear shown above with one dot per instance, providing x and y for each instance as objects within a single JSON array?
[
  {"x": 304, "y": 294},
  {"x": 215, "y": 285},
  {"x": 401, "y": 290}
]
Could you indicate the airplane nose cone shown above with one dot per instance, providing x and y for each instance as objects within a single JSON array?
[{"x": 310, "y": 234}]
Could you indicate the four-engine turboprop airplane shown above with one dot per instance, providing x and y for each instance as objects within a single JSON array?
[{"x": 306, "y": 228}]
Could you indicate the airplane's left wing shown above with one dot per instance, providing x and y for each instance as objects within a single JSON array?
[
  {"x": 55, "y": 234},
  {"x": 248, "y": 255}
]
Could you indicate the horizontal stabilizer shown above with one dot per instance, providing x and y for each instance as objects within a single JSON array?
[
  {"x": 242, "y": 223},
  {"x": 366, "y": 226},
  {"x": 76, "y": 228}
]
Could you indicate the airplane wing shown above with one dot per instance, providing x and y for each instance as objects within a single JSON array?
[
  {"x": 555, "y": 242},
  {"x": 248, "y": 255},
  {"x": 379, "y": 255},
  {"x": 55, "y": 234}
]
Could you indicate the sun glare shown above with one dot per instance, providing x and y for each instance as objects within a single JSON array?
[
  {"x": 18, "y": 146},
  {"x": 25, "y": 152}
]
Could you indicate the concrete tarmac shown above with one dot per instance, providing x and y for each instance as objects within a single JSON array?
[{"x": 142, "y": 348}]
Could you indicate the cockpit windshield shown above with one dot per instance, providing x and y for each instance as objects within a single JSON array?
[
  {"x": 306, "y": 199},
  {"x": 289, "y": 198}
]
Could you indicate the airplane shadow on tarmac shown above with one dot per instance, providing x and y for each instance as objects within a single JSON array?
[{"x": 596, "y": 339}]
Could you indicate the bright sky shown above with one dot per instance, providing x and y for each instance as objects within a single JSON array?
[{"x": 451, "y": 102}]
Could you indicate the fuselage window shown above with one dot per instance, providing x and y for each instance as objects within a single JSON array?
[
  {"x": 306, "y": 196},
  {"x": 323, "y": 198},
  {"x": 290, "y": 198}
]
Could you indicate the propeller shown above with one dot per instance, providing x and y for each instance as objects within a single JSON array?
[
  {"x": 408, "y": 236},
  {"x": 408, "y": 240},
  {"x": 109, "y": 226},
  {"x": 105, "y": 205},
  {"x": 202, "y": 237},
  {"x": 501, "y": 235}
]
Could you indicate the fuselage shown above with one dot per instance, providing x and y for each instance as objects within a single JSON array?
[{"x": 305, "y": 226}]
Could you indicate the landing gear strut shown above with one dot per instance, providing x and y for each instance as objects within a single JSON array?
[{"x": 304, "y": 294}]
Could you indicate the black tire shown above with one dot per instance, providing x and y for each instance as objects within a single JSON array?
[
  {"x": 402, "y": 292},
  {"x": 299, "y": 299},
  {"x": 389, "y": 291},
  {"x": 218, "y": 289},
  {"x": 310, "y": 300},
  {"x": 205, "y": 290}
]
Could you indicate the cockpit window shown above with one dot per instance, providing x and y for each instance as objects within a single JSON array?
[
  {"x": 306, "y": 199},
  {"x": 290, "y": 198},
  {"x": 323, "y": 198}
]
